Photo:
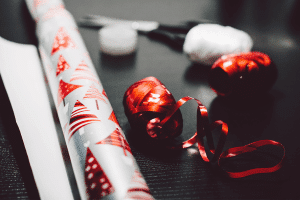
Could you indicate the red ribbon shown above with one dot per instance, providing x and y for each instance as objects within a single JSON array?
[
  {"x": 151, "y": 108},
  {"x": 146, "y": 103},
  {"x": 244, "y": 74},
  {"x": 204, "y": 130}
]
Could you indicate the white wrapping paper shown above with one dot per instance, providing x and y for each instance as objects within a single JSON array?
[
  {"x": 23, "y": 78},
  {"x": 100, "y": 155}
]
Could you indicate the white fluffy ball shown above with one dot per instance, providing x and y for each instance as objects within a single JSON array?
[
  {"x": 118, "y": 40},
  {"x": 205, "y": 43}
]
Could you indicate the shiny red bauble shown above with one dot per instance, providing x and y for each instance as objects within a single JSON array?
[
  {"x": 243, "y": 75},
  {"x": 146, "y": 104}
]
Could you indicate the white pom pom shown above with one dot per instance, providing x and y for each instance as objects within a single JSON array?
[
  {"x": 205, "y": 43},
  {"x": 117, "y": 40}
]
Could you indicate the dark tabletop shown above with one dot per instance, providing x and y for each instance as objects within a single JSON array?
[{"x": 274, "y": 27}]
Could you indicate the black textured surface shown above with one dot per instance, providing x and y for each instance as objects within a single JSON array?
[{"x": 274, "y": 27}]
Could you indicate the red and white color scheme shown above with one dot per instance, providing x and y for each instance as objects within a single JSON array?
[
  {"x": 104, "y": 93},
  {"x": 64, "y": 90},
  {"x": 83, "y": 72},
  {"x": 62, "y": 40},
  {"x": 113, "y": 118},
  {"x": 138, "y": 185},
  {"x": 117, "y": 139},
  {"x": 97, "y": 183},
  {"x": 80, "y": 117},
  {"x": 93, "y": 136},
  {"x": 62, "y": 65},
  {"x": 93, "y": 93}
]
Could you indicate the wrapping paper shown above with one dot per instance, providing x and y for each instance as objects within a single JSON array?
[
  {"x": 32, "y": 110},
  {"x": 100, "y": 155}
]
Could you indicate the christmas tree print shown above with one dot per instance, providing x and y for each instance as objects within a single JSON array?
[
  {"x": 104, "y": 93},
  {"x": 64, "y": 89},
  {"x": 62, "y": 40},
  {"x": 96, "y": 180},
  {"x": 138, "y": 188},
  {"x": 113, "y": 118},
  {"x": 83, "y": 72},
  {"x": 62, "y": 65},
  {"x": 93, "y": 93},
  {"x": 116, "y": 139},
  {"x": 80, "y": 117}
]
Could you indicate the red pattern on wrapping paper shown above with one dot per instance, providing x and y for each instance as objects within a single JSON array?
[
  {"x": 37, "y": 3},
  {"x": 204, "y": 130},
  {"x": 62, "y": 65},
  {"x": 138, "y": 188},
  {"x": 62, "y": 40},
  {"x": 83, "y": 72},
  {"x": 92, "y": 194},
  {"x": 93, "y": 93},
  {"x": 113, "y": 118},
  {"x": 97, "y": 183},
  {"x": 104, "y": 93},
  {"x": 80, "y": 117},
  {"x": 64, "y": 89},
  {"x": 116, "y": 139}
]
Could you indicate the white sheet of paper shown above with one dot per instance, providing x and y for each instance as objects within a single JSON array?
[{"x": 23, "y": 78}]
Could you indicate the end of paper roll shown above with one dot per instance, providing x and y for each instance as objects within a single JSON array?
[
  {"x": 118, "y": 40},
  {"x": 205, "y": 43}
]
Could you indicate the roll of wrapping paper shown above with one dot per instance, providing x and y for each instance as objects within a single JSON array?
[{"x": 100, "y": 155}]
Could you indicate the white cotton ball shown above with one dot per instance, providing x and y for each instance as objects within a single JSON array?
[
  {"x": 205, "y": 43},
  {"x": 118, "y": 40}
]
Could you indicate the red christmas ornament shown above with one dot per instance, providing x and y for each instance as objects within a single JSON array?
[
  {"x": 146, "y": 104},
  {"x": 244, "y": 74}
]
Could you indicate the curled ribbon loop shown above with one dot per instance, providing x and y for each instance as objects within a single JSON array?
[{"x": 204, "y": 129}]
